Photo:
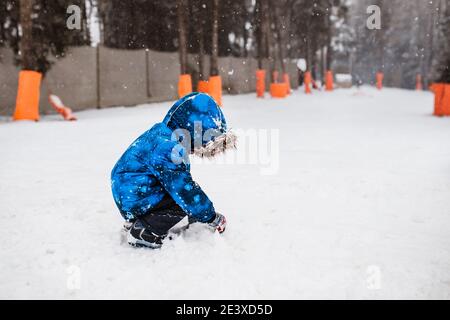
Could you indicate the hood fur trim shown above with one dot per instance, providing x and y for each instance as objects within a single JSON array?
[{"x": 220, "y": 144}]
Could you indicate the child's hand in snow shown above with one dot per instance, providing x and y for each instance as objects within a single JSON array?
[{"x": 219, "y": 223}]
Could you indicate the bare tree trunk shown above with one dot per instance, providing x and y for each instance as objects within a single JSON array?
[
  {"x": 201, "y": 40},
  {"x": 260, "y": 34},
  {"x": 308, "y": 50},
  {"x": 382, "y": 34},
  {"x": 314, "y": 57},
  {"x": 245, "y": 31},
  {"x": 26, "y": 41},
  {"x": 280, "y": 38},
  {"x": 268, "y": 35},
  {"x": 201, "y": 54},
  {"x": 215, "y": 40},
  {"x": 182, "y": 40},
  {"x": 430, "y": 42},
  {"x": 323, "y": 64},
  {"x": 430, "y": 53},
  {"x": 329, "y": 55},
  {"x": 381, "y": 44}
]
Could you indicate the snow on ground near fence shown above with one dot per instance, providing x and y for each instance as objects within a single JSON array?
[{"x": 359, "y": 208}]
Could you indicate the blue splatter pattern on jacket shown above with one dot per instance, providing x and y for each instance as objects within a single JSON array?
[{"x": 157, "y": 162}]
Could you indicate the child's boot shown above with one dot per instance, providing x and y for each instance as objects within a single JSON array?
[{"x": 139, "y": 235}]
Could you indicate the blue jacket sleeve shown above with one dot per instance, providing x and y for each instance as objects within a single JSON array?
[{"x": 174, "y": 175}]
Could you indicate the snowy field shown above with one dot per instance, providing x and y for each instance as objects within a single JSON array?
[{"x": 358, "y": 208}]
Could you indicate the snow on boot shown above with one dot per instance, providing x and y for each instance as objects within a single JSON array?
[
  {"x": 140, "y": 236},
  {"x": 124, "y": 231}
]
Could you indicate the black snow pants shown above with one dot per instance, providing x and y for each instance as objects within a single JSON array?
[{"x": 164, "y": 216}]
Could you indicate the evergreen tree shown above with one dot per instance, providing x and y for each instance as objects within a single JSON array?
[
  {"x": 340, "y": 44},
  {"x": 410, "y": 42},
  {"x": 214, "y": 65},
  {"x": 182, "y": 34},
  {"x": 9, "y": 23},
  {"x": 442, "y": 64},
  {"x": 49, "y": 36},
  {"x": 137, "y": 24}
]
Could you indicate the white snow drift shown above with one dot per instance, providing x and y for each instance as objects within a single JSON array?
[{"x": 359, "y": 206}]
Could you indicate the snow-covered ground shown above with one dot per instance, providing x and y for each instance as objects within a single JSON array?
[{"x": 358, "y": 208}]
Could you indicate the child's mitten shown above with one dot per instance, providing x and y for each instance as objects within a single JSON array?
[{"x": 219, "y": 223}]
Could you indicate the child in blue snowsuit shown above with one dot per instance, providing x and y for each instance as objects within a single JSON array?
[{"x": 151, "y": 183}]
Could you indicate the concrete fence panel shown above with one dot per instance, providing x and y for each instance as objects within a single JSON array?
[
  {"x": 103, "y": 77},
  {"x": 163, "y": 74},
  {"x": 73, "y": 79},
  {"x": 239, "y": 74},
  {"x": 9, "y": 77},
  {"x": 224, "y": 72},
  {"x": 252, "y": 67},
  {"x": 122, "y": 77}
]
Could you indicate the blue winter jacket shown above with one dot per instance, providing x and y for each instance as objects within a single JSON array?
[{"x": 157, "y": 162}]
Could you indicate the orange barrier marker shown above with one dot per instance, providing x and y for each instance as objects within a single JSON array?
[
  {"x": 307, "y": 81},
  {"x": 438, "y": 89},
  {"x": 419, "y": 86},
  {"x": 260, "y": 83},
  {"x": 329, "y": 81},
  {"x": 441, "y": 99},
  {"x": 184, "y": 85},
  {"x": 380, "y": 77},
  {"x": 446, "y": 100},
  {"x": 287, "y": 81},
  {"x": 28, "y": 92},
  {"x": 59, "y": 106},
  {"x": 203, "y": 86},
  {"x": 215, "y": 89},
  {"x": 278, "y": 90}
]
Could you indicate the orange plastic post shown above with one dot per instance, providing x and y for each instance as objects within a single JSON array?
[
  {"x": 380, "y": 77},
  {"x": 287, "y": 81},
  {"x": 438, "y": 89},
  {"x": 203, "y": 86},
  {"x": 184, "y": 85},
  {"x": 278, "y": 90},
  {"x": 28, "y": 92},
  {"x": 260, "y": 83},
  {"x": 307, "y": 81},
  {"x": 275, "y": 76},
  {"x": 446, "y": 100},
  {"x": 59, "y": 106},
  {"x": 329, "y": 81},
  {"x": 419, "y": 86},
  {"x": 215, "y": 89}
]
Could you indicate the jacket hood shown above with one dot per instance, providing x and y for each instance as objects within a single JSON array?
[{"x": 198, "y": 123}]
